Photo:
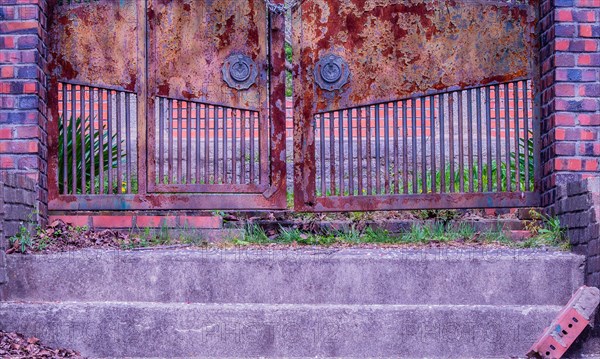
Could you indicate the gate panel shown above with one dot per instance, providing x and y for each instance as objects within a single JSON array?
[
  {"x": 419, "y": 104},
  {"x": 185, "y": 85},
  {"x": 210, "y": 136},
  {"x": 96, "y": 82}
]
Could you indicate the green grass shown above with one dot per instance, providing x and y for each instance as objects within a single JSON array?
[{"x": 549, "y": 234}]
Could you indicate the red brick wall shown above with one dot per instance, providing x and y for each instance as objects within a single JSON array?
[
  {"x": 570, "y": 99},
  {"x": 23, "y": 92}
]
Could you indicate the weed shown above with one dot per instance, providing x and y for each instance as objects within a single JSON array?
[
  {"x": 255, "y": 234},
  {"x": 164, "y": 235},
  {"x": 465, "y": 231},
  {"x": 546, "y": 231},
  {"x": 23, "y": 238},
  {"x": 496, "y": 235},
  {"x": 290, "y": 235},
  {"x": 417, "y": 234},
  {"x": 352, "y": 235},
  {"x": 437, "y": 231},
  {"x": 81, "y": 229},
  {"x": 378, "y": 235}
]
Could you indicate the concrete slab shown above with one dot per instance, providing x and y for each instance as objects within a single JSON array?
[
  {"x": 111, "y": 329},
  {"x": 303, "y": 276}
]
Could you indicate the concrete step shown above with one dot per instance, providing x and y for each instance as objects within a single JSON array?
[
  {"x": 116, "y": 329},
  {"x": 302, "y": 276}
]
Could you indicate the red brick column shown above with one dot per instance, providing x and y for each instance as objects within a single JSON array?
[
  {"x": 23, "y": 54},
  {"x": 570, "y": 93}
]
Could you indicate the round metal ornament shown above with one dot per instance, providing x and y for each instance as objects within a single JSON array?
[
  {"x": 239, "y": 72},
  {"x": 331, "y": 72}
]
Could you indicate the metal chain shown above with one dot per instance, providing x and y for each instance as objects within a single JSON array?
[{"x": 282, "y": 8}]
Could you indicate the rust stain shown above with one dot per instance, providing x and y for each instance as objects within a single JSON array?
[
  {"x": 189, "y": 42},
  {"x": 395, "y": 49},
  {"x": 93, "y": 43}
]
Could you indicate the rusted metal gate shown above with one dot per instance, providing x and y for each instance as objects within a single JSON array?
[
  {"x": 166, "y": 105},
  {"x": 414, "y": 104}
]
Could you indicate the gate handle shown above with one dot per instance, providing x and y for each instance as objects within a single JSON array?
[
  {"x": 239, "y": 71},
  {"x": 331, "y": 72}
]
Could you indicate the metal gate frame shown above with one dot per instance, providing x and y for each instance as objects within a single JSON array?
[
  {"x": 313, "y": 99},
  {"x": 273, "y": 197}
]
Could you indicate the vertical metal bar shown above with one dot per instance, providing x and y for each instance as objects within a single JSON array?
[
  {"x": 433, "y": 141},
  {"x": 368, "y": 151},
  {"x": 92, "y": 142},
  {"x": 251, "y": 147},
  {"x": 359, "y": 152},
  {"x": 161, "y": 139},
  {"x": 423, "y": 146},
  {"x": 413, "y": 121},
  {"x": 498, "y": 144},
  {"x": 74, "y": 140},
  {"x": 206, "y": 144},
  {"x": 322, "y": 153},
  {"x": 507, "y": 137},
  {"x": 470, "y": 137},
  {"x": 405, "y": 146},
  {"x": 517, "y": 136},
  {"x": 225, "y": 138},
  {"x": 263, "y": 150},
  {"x": 488, "y": 115},
  {"x": 451, "y": 139},
  {"x": 386, "y": 146},
  {"x": 461, "y": 161},
  {"x": 216, "y": 121},
  {"x": 233, "y": 146},
  {"x": 333, "y": 189},
  {"x": 526, "y": 133},
  {"x": 83, "y": 120},
  {"x": 243, "y": 148},
  {"x": 413, "y": 135},
  {"x": 101, "y": 139},
  {"x": 198, "y": 146},
  {"x": 350, "y": 155},
  {"x": 170, "y": 130},
  {"x": 110, "y": 144},
  {"x": 65, "y": 127},
  {"x": 341, "y": 149},
  {"x": 479, "y": 140},
  {"x": 396, "y": 150},
  {"x": 128, "y": 142},
  {"x": 179, "y": 142},
  {"x": 188, "y": 145},
  {"x": 377, "y": 152},
  {"x": 442, "y": 144}
]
